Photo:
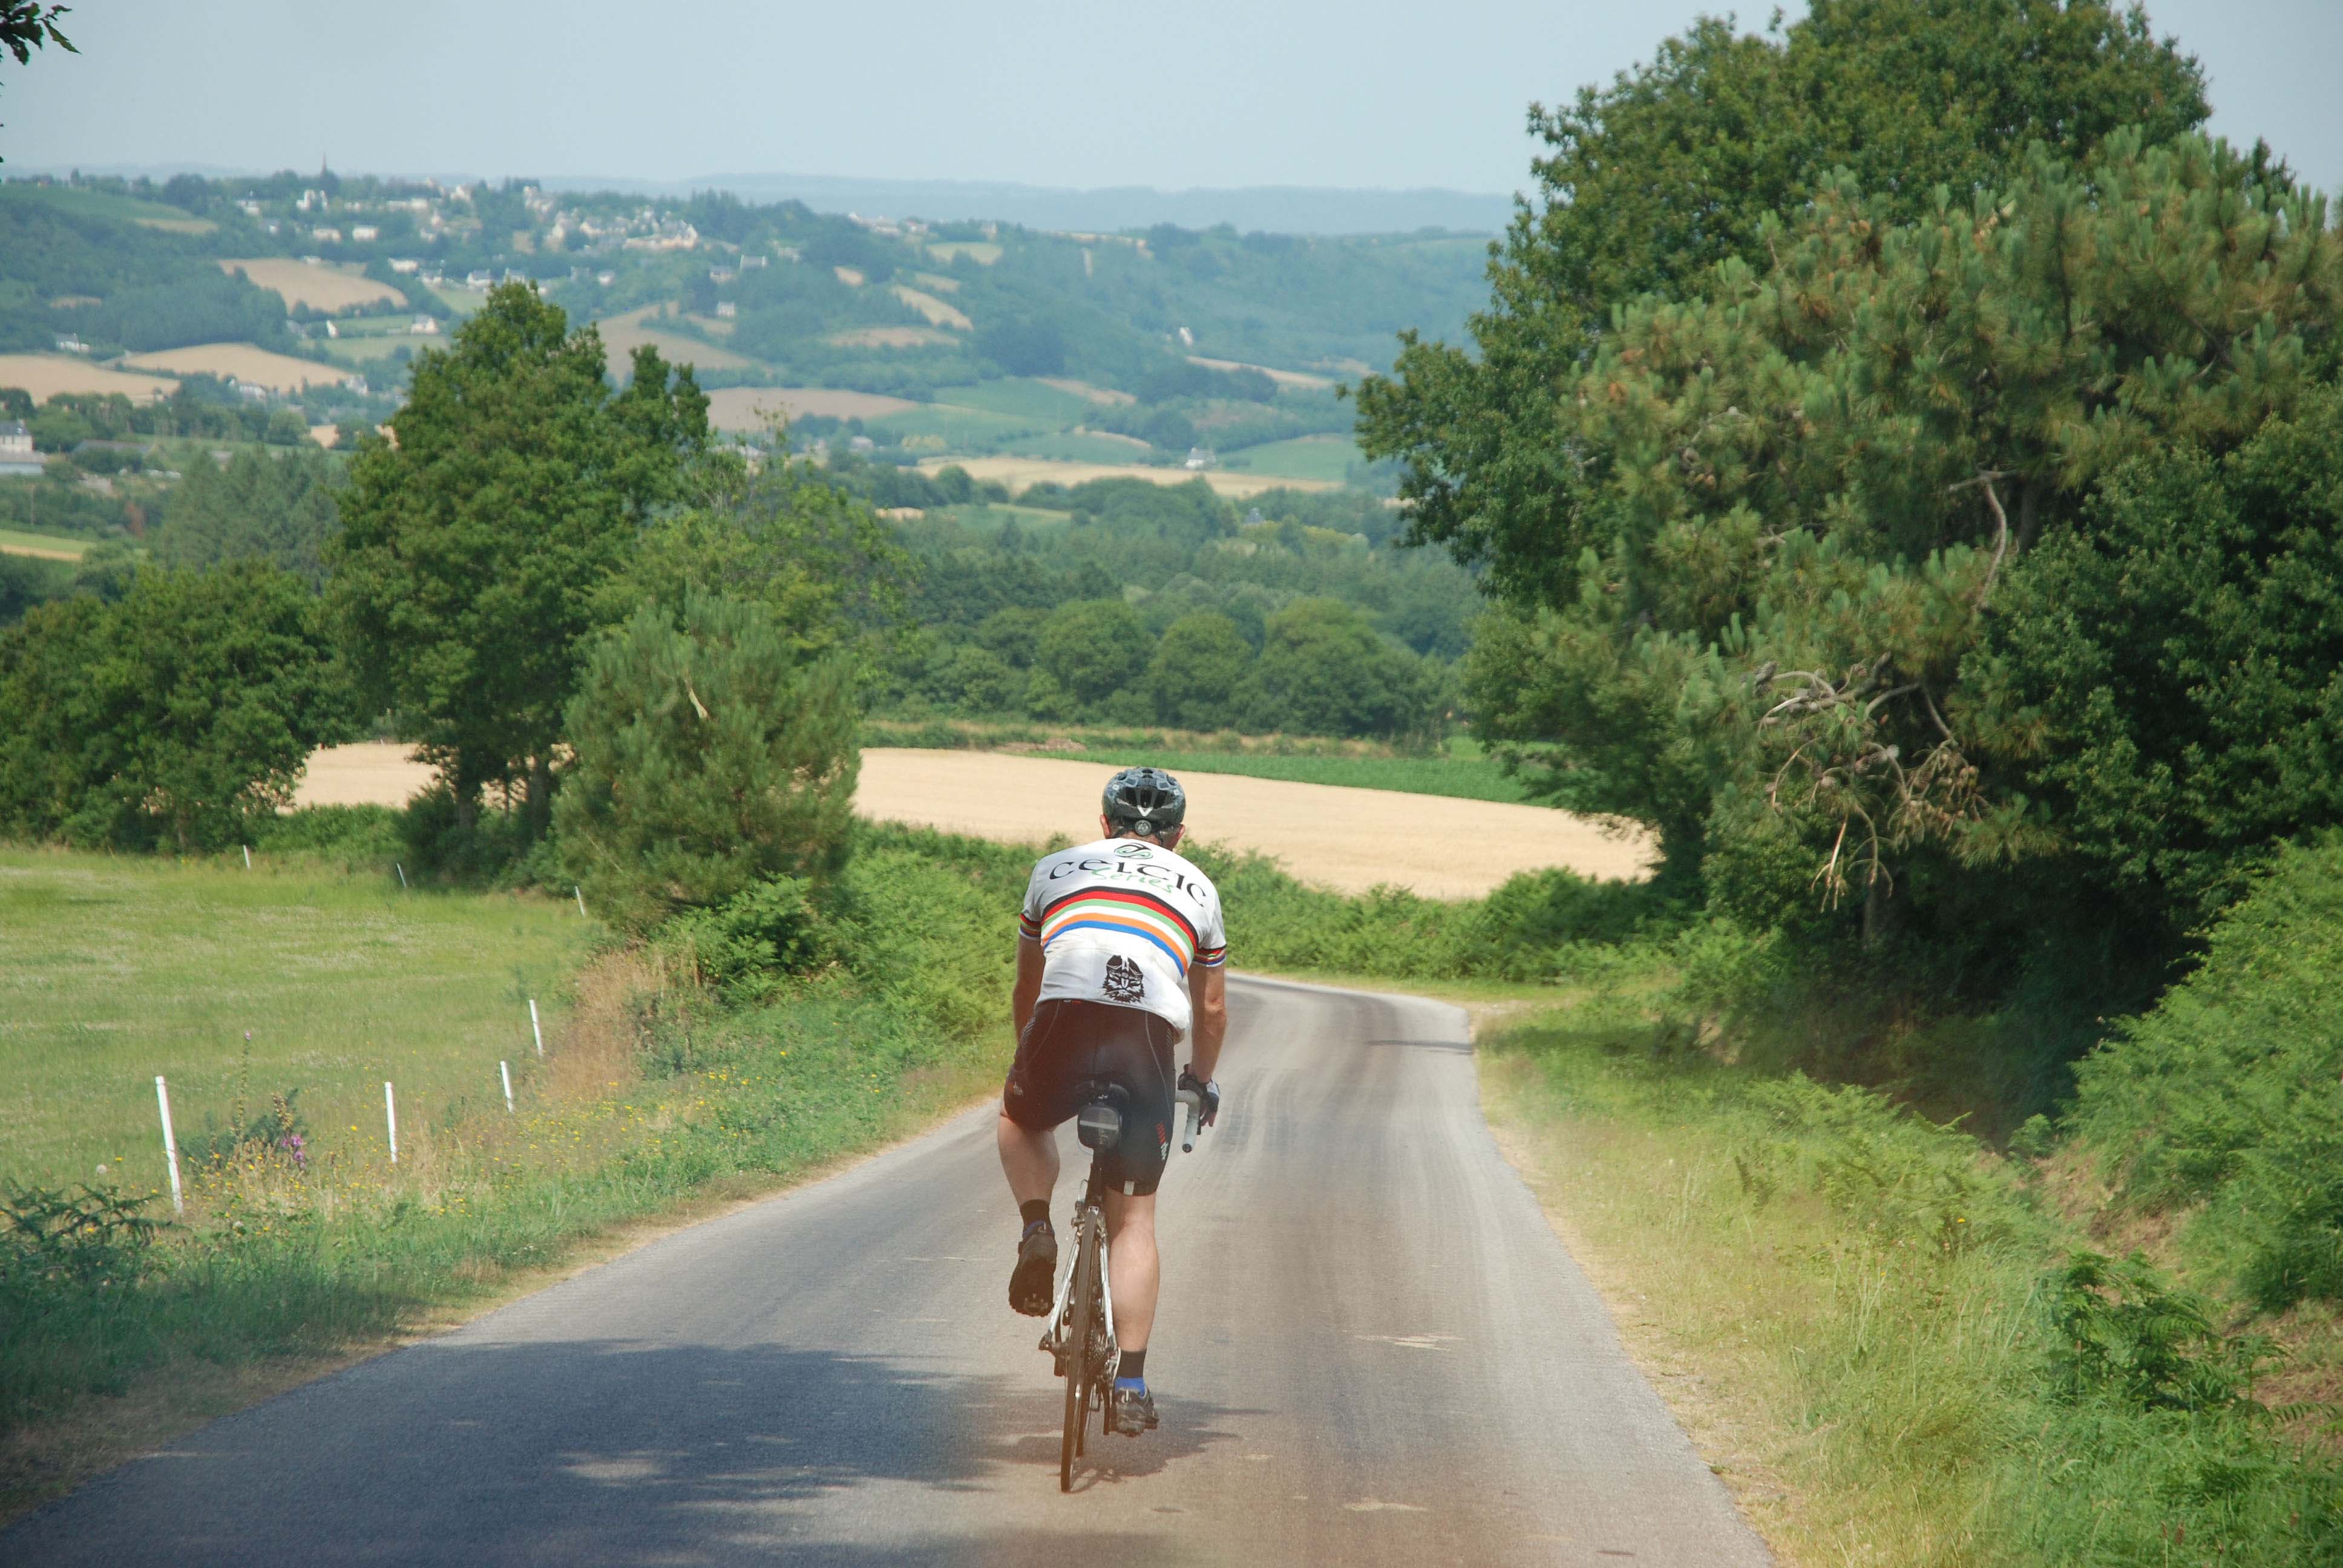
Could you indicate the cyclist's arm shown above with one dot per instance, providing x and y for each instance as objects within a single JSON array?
[
  {"x": 1208, "y": 989},
  {"x": 1028, "y": 983}
]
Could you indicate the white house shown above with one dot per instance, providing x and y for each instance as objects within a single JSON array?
[
  {"x": 424, "y": 326},
  {"x": 365, "y": 233},
  {"x": 726, "y": 310},
  {"x": 405, "y": 265},
  {"x": 326, "y": 235},
  {"x": 17, "y": 459}
]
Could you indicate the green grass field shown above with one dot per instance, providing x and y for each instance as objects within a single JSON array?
[
  {"x": 114, "y": 970},
  {"x": 1475, "y": 779},
  {"x": 1028, "y": 400},
  {"x": 958, "y": 427},
  {"x": 1080, "y": 446},
  {"x": 16, "y": 541},
  {"x": 995, "y": 513},
  {"x": 984, "y": 252},
  {"x": 1327, "y": 457},
  {"x": 85, "y": 203}
]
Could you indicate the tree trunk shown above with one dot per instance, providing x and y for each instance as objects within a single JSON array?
[{"x": 536, "y": 799}]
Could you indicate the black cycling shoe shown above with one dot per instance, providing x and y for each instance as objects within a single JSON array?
[
  {"x": 1032, "y": 1285},
  {"x": 1131, "y": 1411}
]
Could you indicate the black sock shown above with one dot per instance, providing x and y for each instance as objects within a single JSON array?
[
  {"x": 1133, "y": 1365},
  {"x": 1035, "y": 1209}
]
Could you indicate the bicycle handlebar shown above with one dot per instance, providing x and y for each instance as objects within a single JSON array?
[{"x": 1195, "y": 1104}]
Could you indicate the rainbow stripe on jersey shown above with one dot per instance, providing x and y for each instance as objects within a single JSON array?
[{"x": 1124, "y": 911}]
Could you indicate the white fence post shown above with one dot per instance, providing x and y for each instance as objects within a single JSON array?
[
  {"x": 402, "y": 874},
  {"x": 170, "y": 1144},
  {"x": 534, "y": 1029},
  {"x": 505, "y": 1072},
  {"x": 390, "y": 1118},
  {"x": 248, "y": 857},
  {"x": 581, "y": 900}
]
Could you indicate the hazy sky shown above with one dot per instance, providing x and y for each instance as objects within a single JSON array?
[{"x": 1208, "y": 92}]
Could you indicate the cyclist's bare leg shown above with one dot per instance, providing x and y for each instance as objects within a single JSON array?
[
  {"x": 1133, "y": 1271},
  {"x": 1028, "y": 1159}
]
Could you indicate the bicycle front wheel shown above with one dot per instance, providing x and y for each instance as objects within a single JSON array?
[{"x": 1081, "y": 1359}]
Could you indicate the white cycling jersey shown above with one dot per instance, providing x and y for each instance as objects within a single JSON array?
[{"x": 1121, "y": 921}]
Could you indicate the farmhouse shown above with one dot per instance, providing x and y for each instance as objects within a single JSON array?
[
  {"x": 364, "y": 232},
  {"x": 17, "y": 459}
]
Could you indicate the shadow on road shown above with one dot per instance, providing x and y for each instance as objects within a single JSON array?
[{"x": 588, "y": 1453}]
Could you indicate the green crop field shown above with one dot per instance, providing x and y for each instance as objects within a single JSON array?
[
  {"x": 995, "y": 513},
  {"x": 16, "y": 542},
  {"x": 1303, "y": 457},
  {"x": 1467, "y": 778},
  {"x": 1081, "y": 447},
  {"x": 113, "y": 970},
  {"x": 83, "y": 203},
  {"x": 1030, "y": 400},
  {"x": 960, "y": 427}
]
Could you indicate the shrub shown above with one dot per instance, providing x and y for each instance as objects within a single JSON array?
[
  {"x": 708, "y": 757},
  {"x": 2228, "y": 1092},
  {"x": 181, "y": 715}
]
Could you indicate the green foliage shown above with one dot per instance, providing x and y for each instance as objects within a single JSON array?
[
  {"x": 2173, "y": 669},
  {"x": 2118, "y": 1330},
  {"x": 1540, "y": 926},
  {"x": 754, "y": 940},
  {"x": 476, "y": 548},
  {"x": 356, "y": 838},
  {"x": 1323, "y": 670},
  {"x": 708, "y": 754},
  {"x": 1199, "y": 671},
  {"x": 2226, "y": 1095},
  {"x": 1653, "y": 181},
  {"x": 99, "y": 1237},
  {"x": 258, "y": 507},
  {"x": 1905, "y": 1180},
  {"x": 1092, "y": 650},
  {"x": 180, "y": 716},
  {"x": 808, "y": 551}
]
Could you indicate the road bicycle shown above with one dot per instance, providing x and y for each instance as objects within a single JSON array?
[{"x": 1081, "y": 1335}]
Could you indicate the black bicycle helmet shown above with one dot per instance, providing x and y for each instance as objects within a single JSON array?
[{"x": 1146, "y": 802}]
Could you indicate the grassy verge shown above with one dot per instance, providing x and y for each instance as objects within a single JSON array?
[
  {"x": 666, "y": 1086},
  {"x": 1894, "y": 1344}
]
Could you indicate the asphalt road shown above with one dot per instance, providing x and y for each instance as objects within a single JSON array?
[{"x": 1372, "y": 1350}]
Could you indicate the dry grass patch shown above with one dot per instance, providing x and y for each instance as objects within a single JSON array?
[
  {"x": 44, "y": 375},
  {"x": 324, "y": 287},
  {"x": 242, "y": 362},
  {"x": 1283, "y": 378},
  {"x": 754, "y": 407}
]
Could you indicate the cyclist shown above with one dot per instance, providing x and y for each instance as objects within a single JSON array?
[{"x": 1118, "y": 952}]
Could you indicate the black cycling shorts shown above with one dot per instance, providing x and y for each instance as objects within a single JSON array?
[{"x": 1070, "y": 1050}]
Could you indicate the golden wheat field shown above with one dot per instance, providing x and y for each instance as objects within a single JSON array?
[
  {"x": 242, "y": 362},
  {"x": 44, "y": 375},
  {"x": 324, "y": 287},
  {"x": 937, "y": 313},
  {"x": 1329, "y": 835},
  {"x": 621, "y": 335}
]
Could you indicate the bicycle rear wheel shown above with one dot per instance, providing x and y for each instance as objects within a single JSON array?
[{"x": 1080, "y": 1356}]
